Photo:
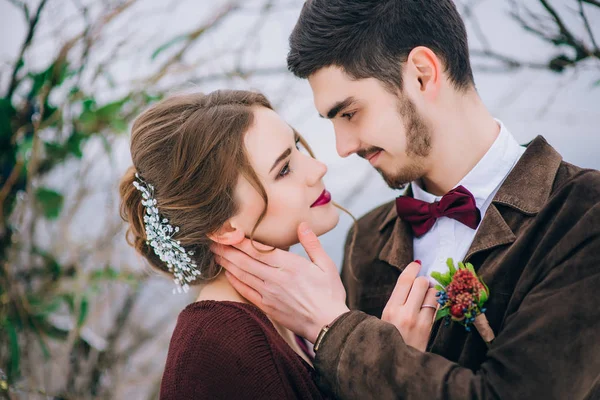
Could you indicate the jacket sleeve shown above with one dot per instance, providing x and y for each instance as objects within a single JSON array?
[{"x": 549, "y": 347}]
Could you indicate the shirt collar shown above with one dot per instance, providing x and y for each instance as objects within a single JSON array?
[
  {"x": 490, "y": 171},
  {"x": 539, "y": 165}
]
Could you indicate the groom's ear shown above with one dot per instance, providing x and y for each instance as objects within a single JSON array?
[
  {"x": 228, "y": 234},
  {"x": 423, "y": 70}
]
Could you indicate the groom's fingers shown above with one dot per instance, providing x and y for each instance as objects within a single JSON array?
[
  {"x": 241, "y": 275},
  {"x": 244, "y": 290},
  {"x": 242, "y": 261},
  {"x": 257, "y": 251},
  {"x": 314, "y": 250}
]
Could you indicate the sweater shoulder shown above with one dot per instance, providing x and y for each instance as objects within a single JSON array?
[
  {"x": 221, "y": 350},
  {"x": 228, "y": 326}
]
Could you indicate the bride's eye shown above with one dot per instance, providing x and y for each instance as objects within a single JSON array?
[{"x": 285, "y": 170}]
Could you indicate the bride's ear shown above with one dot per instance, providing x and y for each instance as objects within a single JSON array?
[{"x": 228, "y": 235}]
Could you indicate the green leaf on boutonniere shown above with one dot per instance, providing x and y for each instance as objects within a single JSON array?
[
  {"x": 443, "y": 279},
  {"x": 451, "y": 268},
  {"x": 487, "y": 289},
  {"x": 441, "y": 313},
  {"x": 483, "y": 297},
  {"x": 472, "y": 269}
]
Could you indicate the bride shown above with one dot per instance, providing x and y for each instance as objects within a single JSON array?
[{"x": 221, "y": 167}]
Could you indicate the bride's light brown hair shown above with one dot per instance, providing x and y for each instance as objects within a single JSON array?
[{"x": 191, "y": 149}]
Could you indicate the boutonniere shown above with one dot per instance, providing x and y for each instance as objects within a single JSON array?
[{"x": 462, "y": 296}]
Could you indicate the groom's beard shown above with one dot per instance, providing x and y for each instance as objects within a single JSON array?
[{"x": 418, "y": 146}]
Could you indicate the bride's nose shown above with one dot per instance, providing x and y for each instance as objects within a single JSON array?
[{"x": 316, "y": 172}]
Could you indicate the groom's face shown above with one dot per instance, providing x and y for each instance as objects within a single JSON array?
[{"x": 382, "y": 127}]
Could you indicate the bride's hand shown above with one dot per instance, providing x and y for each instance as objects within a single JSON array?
[{"x": 412, "y": 307}]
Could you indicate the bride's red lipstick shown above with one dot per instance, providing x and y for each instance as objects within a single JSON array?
[{"x": 324, "y": 198}]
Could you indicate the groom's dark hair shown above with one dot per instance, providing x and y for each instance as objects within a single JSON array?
[{"x": 371, "y": 38}]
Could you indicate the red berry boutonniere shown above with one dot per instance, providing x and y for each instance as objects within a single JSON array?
[{"x": 462, "y": 296}]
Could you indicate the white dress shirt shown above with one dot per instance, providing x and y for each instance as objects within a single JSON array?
[{"x": 449, "y": 238}]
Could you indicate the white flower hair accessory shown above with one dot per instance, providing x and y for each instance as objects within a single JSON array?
[{"x": 159, "y": 236}]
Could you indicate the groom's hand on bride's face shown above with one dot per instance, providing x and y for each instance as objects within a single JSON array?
[{"x": 302, "y": 295}]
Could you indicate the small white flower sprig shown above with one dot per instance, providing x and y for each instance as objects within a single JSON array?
[{"x": 159, "y": 236}]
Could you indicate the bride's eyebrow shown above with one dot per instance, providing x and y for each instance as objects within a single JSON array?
[{"x": 282, "y": 157}]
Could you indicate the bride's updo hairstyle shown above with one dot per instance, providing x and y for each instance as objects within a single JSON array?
[{"x": 190, "y": 148}]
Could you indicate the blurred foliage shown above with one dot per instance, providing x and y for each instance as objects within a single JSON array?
[
  {"x": 29, "y": 295},
  {"x": 47, "y": 117}
]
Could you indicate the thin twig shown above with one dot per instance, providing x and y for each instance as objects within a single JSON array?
[
  {"x": 535, "y": 23},
  {"x": 509, "y": 62},
  {"x": 190, "y": 39},
  {"x": 243, "y": 74},
  {"x": 561, "y": 25},
  {"x": 30, "y": 32},
  {"x": 23, "y": 6},
  {"x": 253, "y": 32},
  {"x": 551, "y": 98},
  {"x": 468, "y": 11},
  {"x": 592, "y": 2},
  {"x": 587, "y": 26},
  {"x": 106, "y": 357}
]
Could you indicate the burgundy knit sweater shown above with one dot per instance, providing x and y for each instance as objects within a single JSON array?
[{"x": 229, "y": 350}]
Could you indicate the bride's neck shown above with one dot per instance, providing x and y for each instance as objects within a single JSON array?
[{"x": 219, "y": 289}]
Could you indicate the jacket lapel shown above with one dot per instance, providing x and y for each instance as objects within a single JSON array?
[
  {"x": 493, "y": 232},
  {"x": 398, "y": 250}
]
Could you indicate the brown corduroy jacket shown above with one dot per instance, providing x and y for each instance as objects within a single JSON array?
[{"x": 538, "y": 250}]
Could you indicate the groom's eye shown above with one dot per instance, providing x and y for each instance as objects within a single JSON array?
[
  {"x": 301, "y": 146},
  {"x": 348, "y": 115}
]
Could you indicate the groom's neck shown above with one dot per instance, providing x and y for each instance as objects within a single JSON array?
[{"x": 464, "y": 131}]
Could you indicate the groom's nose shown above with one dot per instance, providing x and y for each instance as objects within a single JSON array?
[{"x": 346, "y": 143}]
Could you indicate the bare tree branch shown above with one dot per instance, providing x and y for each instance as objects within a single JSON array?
[
  {"x": 243, "y": 74},
  {"x": 106, "y": 357},
  {"x": 561, "y": 25},
  {"x": 190, "y": 39},
  {"x": 587, "y": 25},
  {"x": 23, "y": 6},
  {"x": 251, "y": 35},
  {"x": 549, "y": 27},
  {"x": 507, "y": 61},
  {"x": 30, "y": 32},
  {"x": 592, "y": 2}
]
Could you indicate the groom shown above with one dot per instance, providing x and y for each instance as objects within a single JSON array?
[{"x": 394, "y": 78}]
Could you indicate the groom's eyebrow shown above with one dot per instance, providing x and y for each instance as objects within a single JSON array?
[
  {"x": 339, "y": 106},
  {"x": 282, "y": 157}
]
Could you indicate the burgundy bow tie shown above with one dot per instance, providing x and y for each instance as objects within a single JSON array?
[{"x": 458, "y": 204}]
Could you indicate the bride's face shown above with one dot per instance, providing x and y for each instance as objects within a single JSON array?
[{"x": 292, "y": 180}]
